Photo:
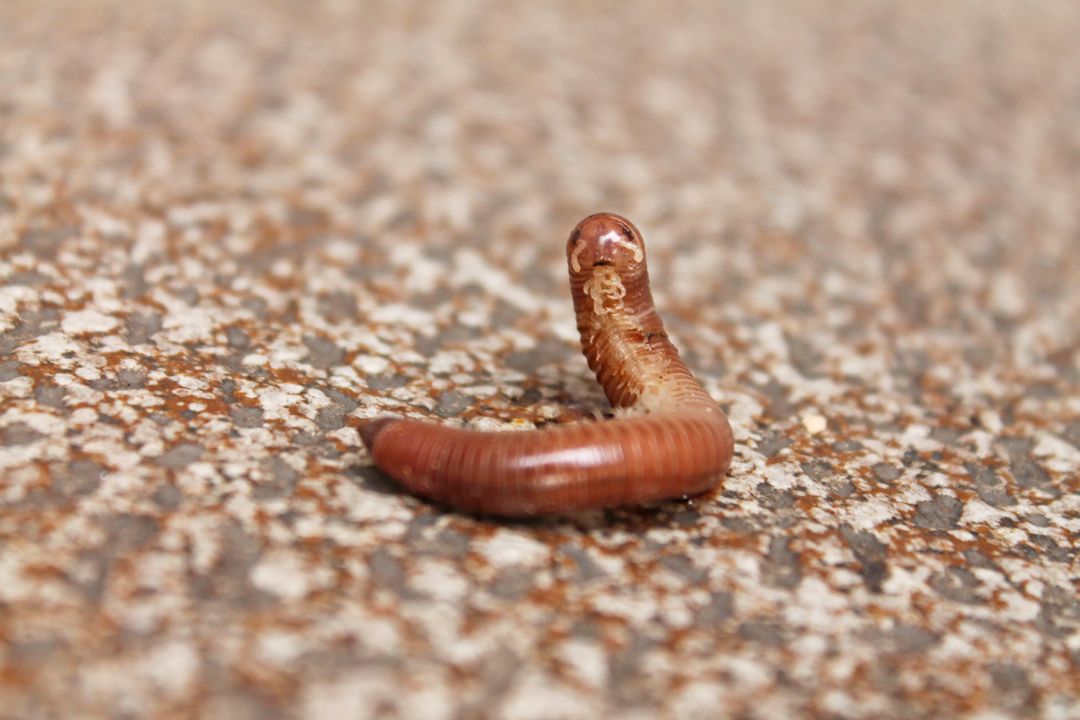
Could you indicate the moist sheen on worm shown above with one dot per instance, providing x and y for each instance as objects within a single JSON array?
[{"x": 674, "y": 440}]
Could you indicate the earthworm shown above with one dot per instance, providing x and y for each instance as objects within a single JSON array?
[{"x": 671, "y": 440}]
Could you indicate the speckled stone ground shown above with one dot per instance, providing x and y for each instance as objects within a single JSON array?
[{"x": 229, "y": 229}]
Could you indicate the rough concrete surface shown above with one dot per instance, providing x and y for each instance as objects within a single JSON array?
[{"x": 229, "y": 230}]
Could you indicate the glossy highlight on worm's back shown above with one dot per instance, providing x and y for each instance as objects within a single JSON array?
[{"x": 674, "y": 441}]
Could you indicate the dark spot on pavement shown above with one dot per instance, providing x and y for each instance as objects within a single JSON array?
[
  {"x": 386, "y": 381},
  {"x": 780, "y": 567},
  {"x": 778, "y": 407},
  {"x": 237, "y": 338},
  {"x": 132, "y": 282},
  {"x": 913, "y": 639},
  {"x": 817, "y": 469},
  {"x": 1048, "y": 547},
  {"x": 773, "y": 498},
  {"x": 246, "y": 417},
  {"x": 82, "y": 477},
  {"x": 330, "y": 418},
  {"x": 547, "y": 351},
  {"x": 278, "y": 479},
  {"x": 452, "y": 403},
  {"x": 772, "y": 443},
  {"x": 720, "y": 607},
  {"x": 990, "y": 488},
  {"x": 388, "y": 571},
  {"x": 323, "y": 353},
  {"x": 338, "y": 306},
  {"x": 765, "y": 632},
  {"x": 870, "y": 552},
  {"x": 45, "y": 242},
  {"x": 941, "y": 513},
  {"x": 886, "y": 472},
  {"x": 50, "y": 395},
  {"x": 372, "y": 480},
  {"x": 512, "y": 583},
  {"x": 180, "y": 456},
  {"x": 804, "y": 357},
  {"x": 684, "y": 568},
  {"x": 1011, "y": 686},
  {"x": 957, "y": 584},
  {"x": 140, "y": 327},
  {"x": 19, "y": 434},
  {"x": 167, "y": 496},
  {"x": 130, "y": 378},
  {"x": 9, "y": 370},
  {"x": 586, "y": 568},
  {"x": 1027, "y": 472},
  {"x": 128, "y": 533}
]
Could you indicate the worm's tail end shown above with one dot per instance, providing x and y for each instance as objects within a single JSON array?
[{"x": 370, "y": 429}]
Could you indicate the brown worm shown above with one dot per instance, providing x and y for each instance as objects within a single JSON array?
[{"x": 675, "y": 441}]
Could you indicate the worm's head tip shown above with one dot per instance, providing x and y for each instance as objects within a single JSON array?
[
  {"x": 370, "y": 429},
  {"x": 604, "y": 239}
]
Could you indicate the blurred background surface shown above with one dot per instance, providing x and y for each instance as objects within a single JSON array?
[{"x": 228, "y": 228}]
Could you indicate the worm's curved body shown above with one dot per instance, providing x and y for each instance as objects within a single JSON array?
[{"x": 678, "y": 441}]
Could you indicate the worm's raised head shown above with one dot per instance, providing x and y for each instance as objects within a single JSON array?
[{"x": 605, "y": 240}]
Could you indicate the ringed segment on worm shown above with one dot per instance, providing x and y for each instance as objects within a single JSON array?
[{"x": 670, "y": 440}]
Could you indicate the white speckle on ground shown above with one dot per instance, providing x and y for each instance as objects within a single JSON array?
[
  {"x": 287, "y": 575},
  {"x": 510, "y": 547},
  {"x": 171, "y": 666},
  {"x": 87, "y": 322},
  {"x": 538, "y": 697},
  {"x": 371, "y": 364},
  {"x": 50, "y": 347},
  {"x": 587, "y": 660}
]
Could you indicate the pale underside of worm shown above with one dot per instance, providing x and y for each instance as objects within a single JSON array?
[{"x": 671, "y": 439}]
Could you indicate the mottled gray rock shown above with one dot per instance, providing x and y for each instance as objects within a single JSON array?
[
  {"x": 237, "y": 338},
  {"x": 719, "y": 608},
  {"x": 133, "y": 281},
  {"x": 45, "y": 242},
  {"x": 141, "y": 327},
  {"x": 167, "y": 497},
  {"x": 50, "y": 395},
  {"x": 1011, "y": 686},
  {"x": 772, "y": 444},
  {"x": 870, "y": 552},
  {"x": 278, "y": 479},
  {"x": 886, "y": 472},
  {"x": 387, "y": 571},
  {"x": 19, "y": 434},
  {"x": 181, "y": 456},
  {"x": 452, "y": 404},
  {"x": 386, "y": 381},
  {"x": 323, "y": 353},
  {"x": 765, "y": 632},
  {"x": 781, "y": 567},
  {"x": 957, "y": 584},
  {"x": 940, "y": 513},
  {"x": 1028, "y": 473},
  {"x": 9, "y": 370},
  {"x": 247, "y": 417},
  {"x": 991, "y": 489},
  {"x": 512, "y": 583},
  {"x": 683, "y": 567},
  {"x": 81, "y": 477},
  {"x": 130, "y": 379}
]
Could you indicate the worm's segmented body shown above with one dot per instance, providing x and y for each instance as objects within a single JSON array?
[{"x": 677, "y": 441}]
